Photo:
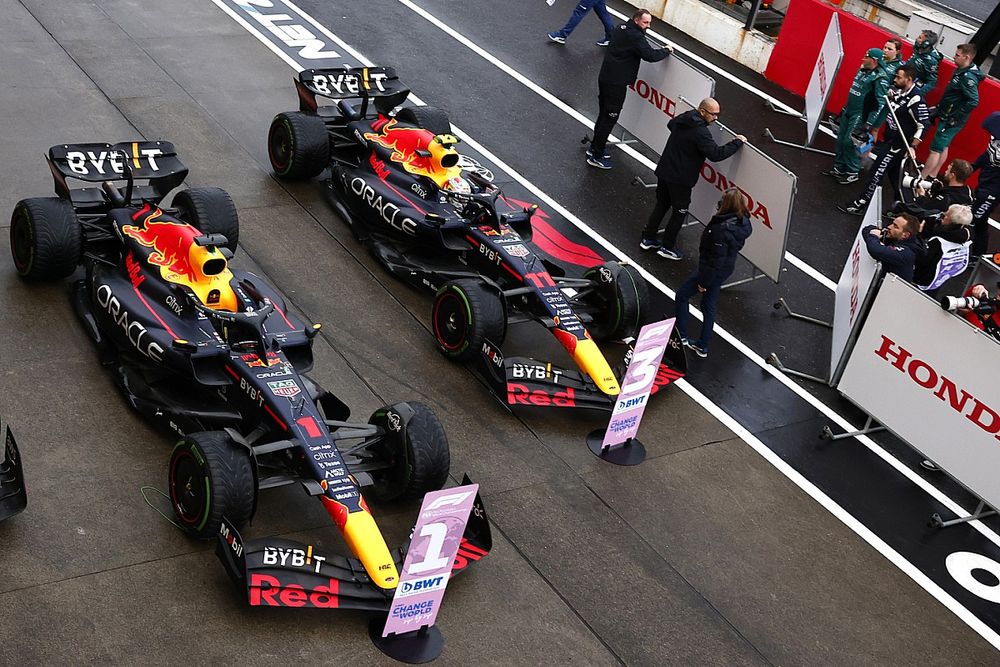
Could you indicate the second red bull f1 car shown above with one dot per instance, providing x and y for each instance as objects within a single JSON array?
[
  {"x": 436, "y": 221},
  {"x": 211, "y": 353}
]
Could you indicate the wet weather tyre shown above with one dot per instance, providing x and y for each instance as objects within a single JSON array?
[
  {"x": 46, "y": 241},
  {"x": 619, "y": 296},
  {"x": 429, "y": 118},
  {"x": 465, "y": 314},
  {"x": 210, "y": 477},
  {"x": 298, "y": 145},
  {"x": 420, "y": 462},
  {"x": 210, "y": 211}
]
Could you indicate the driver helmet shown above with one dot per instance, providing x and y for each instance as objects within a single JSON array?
[{"x": 458, "y": 185}]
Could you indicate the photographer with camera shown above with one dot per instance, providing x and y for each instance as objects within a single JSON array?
[
  {"x": 947, "y": 248},
  {"x": 906, "y": 112},
  {"x": 897, "y": 246},
  {"x": 978, "y": 308},
  {"x": 934, "y": 196}
]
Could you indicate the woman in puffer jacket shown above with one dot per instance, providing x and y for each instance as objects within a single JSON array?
[{"x": 721, "y": 243}]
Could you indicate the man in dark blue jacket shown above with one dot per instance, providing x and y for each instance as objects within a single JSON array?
[
  {"x": 618, "y": 71},
  {"x": 988, "y": 190},
  {"x": 896, "y": 246},
  {"x": 689, "y": 145}
]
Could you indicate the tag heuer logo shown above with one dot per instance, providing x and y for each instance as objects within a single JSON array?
[{"x": 286, "y": 388}]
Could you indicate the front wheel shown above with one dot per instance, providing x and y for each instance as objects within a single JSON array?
[
  {"x": 466, "y": 313},
  {"x": 46, "y": 241},
  {"x": 619, "y": 295},
  {"x": 210, "y": 211},
  {"x": 298, "y": 145},
  {"x": 418, "y": 459},
  {"x": 210, "y": 477}
]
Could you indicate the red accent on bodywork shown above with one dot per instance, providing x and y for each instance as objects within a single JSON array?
[
  {"x": 337, "y": 511},
  {"x": 309, "y": 424}
]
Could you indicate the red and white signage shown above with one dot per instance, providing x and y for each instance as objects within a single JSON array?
[
  {"x": 655, "y": 96},
  {"x": 831, "y": 53},
  {"x": 768, "y": 188},
  {"x": 427, "y": 569},
  {"x": 930, "y": 377},
  {"x": 853, "y": 289},
  {"x": 638, "y": 383}
]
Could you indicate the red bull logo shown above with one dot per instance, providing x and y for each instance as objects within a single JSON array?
[
  {"x": 180, "y": 259},
  {"x": 419, "y": 151}
]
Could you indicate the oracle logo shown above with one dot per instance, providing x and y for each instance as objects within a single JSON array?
[
  {"x": 924, "y": 375},
  {"x": 721, "y": 183}
]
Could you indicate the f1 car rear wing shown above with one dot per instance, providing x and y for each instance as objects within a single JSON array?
[
  {"x": 152, "y": 161},
  {"x": 365, "y": 83},
  {"x": 275, "y": 572},
  {"x": 13, "y": 495}
]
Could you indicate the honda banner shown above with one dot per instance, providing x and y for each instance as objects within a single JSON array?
[
  {"x": 654, "y": 97},
  {"x": 768, "y": 188},
  {"x": 854, "y": 288},
  {"x": 930, "y": 377},
  {"x": 638, "y": 383},
  {"x": 427, "y": 568},
  {"x": 831, "y": 53}
]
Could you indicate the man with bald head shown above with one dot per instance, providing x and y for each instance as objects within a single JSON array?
[{"x": 689, "y": 145}]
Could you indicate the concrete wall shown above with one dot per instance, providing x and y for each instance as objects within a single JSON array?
[{"x": 714, "y": 29}]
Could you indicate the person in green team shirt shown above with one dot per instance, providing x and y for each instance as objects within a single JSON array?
[
  {"x": 926, "y": 60},
  {"x": 892, "y": 57},
  {"x": 959, "y": 99},
  {"x": 864, "y": 100}
]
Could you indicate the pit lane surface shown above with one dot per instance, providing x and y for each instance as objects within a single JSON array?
[{"x": 704, "y": 553}]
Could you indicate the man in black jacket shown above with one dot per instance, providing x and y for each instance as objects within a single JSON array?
[
  {"x": 988, "y": 190},
  {"x": 689, "y": 145},
  {"x": 618, "y": 71},
  {"x": 897, "y": 246}
]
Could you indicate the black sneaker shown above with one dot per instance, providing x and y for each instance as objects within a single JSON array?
[
  {"x": 603, "y": 162},
  {"x": 844, "y": 179},
  {"x": 833, "y": 171},
  {"x": 649, "y": 244},
  {"x": 697, "y": 349},
  {"x": 856, "y": 207}
]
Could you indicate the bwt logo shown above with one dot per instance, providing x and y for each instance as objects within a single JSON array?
[
  {"x": 655, "y": 97},
  {"x": 722, "y": 183},
  {"x": 418, "y": 586}
]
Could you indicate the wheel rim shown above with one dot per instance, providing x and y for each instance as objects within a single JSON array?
[
  {"x": 189, "y": 489},
  {"x": 20, "y": 242},
  {"x": 451, "y": 325},
  {"x": 279, "y": 146}
]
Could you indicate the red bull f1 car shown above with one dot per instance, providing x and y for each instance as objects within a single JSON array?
[
  {"x": 438, "y": 223},
  {"x": 211, "y": 353},
  {"x": 13, "y": 494}
]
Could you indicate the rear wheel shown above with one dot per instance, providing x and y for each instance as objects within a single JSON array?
[
  {"x": 419, "y": 463},
  {"x": 617, "y": 301},
  {"x": 46, "y": 241},
  {"x": 210, "y": 211},
  {"x": 210, "y": 477},
  {"x": 429, "y": 118},
  {"x": 298, "y": 145},
  {"x": 465, "y": 314}
]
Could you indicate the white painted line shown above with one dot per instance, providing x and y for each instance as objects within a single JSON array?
[
  {"x": 582, "y": 119},
  {"x": 836, "y": 510}
]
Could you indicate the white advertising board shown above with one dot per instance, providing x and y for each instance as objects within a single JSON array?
[
  {"x": 930, "y": 377},
  {"x": 831, "y": 53},
  {"x": 853, "y": 289},
  {"x": 653, "y": 100},
  {"x": 768, "y": 187}
]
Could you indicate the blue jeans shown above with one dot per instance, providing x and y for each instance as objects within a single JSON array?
[
  {"x": 584, "y": 6},
  {"x": 708, "y": 299}
]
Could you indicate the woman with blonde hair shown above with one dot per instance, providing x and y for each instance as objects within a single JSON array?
[{"x": 721, "y": 243}]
